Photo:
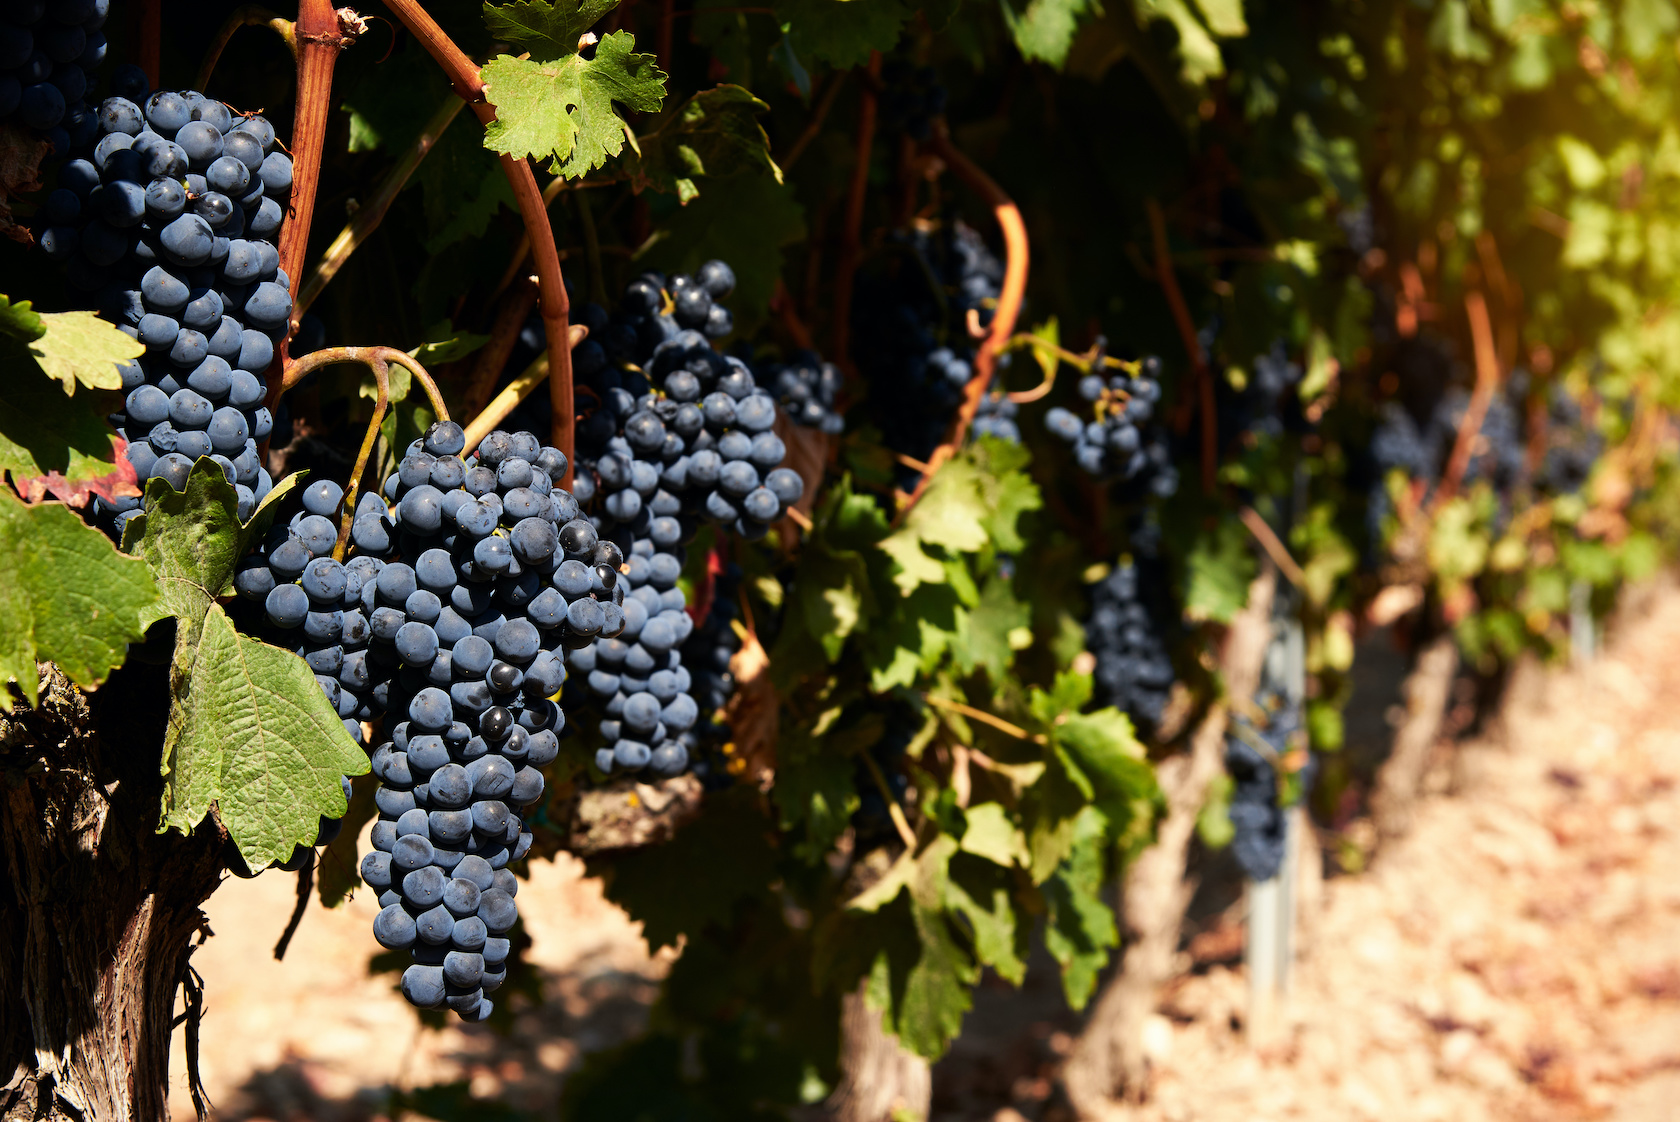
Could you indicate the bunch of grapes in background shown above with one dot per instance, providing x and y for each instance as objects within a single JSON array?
[
  {"x": 708, "y": 653},
  {"x": 807, "y": 388},
  {"x": 911, "y": 336},
  {"x": 49, "y": 50},
  {"x": 169, "y": 225},
  {"x": 1260, "y": 822},
  {"x": 910, "y": 98},
  {"x": 1126, "y": 633},
  {"x": 1115, "y": 439},
  {"x": 1263, "y": 406}
]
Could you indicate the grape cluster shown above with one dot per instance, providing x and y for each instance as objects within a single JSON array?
[
  {"x": 996, "y": 417},
  {"x": 170, "y": 224},
  {"x": 910, "y": 333},
  {"x": 910, "y": 98},
  {"x": 1262, "y": 406},
  {"x": 1259, "y": 820},
  {"x": 48, "y": 51},
  {"x": 1117, "y": 441},
  {"x": 1126, "y": 633},
  {"x": 1572, "y": 446},
  {"x": 807, "y": 388}
]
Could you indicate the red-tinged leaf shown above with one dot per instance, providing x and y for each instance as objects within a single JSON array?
[{"x": 121, "y": 481}]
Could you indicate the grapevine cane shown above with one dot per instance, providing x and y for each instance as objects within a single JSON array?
[
  {"x": 321, "y": 34},
  {"x": 1487, "y": 380},
  {"x": 464, "y": 76},
  {"x": 1017, "y": 255}
]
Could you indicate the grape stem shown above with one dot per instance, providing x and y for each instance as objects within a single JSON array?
[
  {"x": 372, "y": 213},
  {"x": 377, "y": 359},
  {"x": 321, "y": 33},
  {"x": 894, "y": 811},
  {"x": 985, "y": 718},
  {"x": 1273, "y": 545},
  {"x": 1192, "y": 347},
  {"x": 516, "y": 391},
  {"x": 556, "y": 311},
  {"x": 246, "y": 15},
  {"x": 1083, "y": 363},
  {"x": 1487, "y": 380},
  {"x": 852, "y": 224},
  {"x": 1017, "y": 256}
]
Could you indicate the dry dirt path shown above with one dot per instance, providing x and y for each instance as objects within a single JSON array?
[{"x": 1516, "y": 958}]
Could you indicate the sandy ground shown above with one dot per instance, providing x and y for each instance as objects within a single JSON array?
[{"x": 1516, "y": 957}]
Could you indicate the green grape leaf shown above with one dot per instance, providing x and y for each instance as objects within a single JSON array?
[
  {"x": 987, "y": 635},
  {"x": 1199, "y": 57},
  {"x": 842, "y": 33},
  {"x": 815, "y": 782},
  {"x": 1109, "y": 755},
  {"x": 715, "y": 134},
  {"x": 992, "y": 835},
  {"x": 20, "y": 320},
  {"x": 1044, "y": 31},
  {"x": 748, "y": 226},
  {"x": 547, "y": 31},
  {"x": 563, "y": 111},
  {"x": 250, "y": 734},
  {"x": 49, "y": 437},
  {"x": 1221, "y": 565},
  {"x": 443, "y": 344},
  {"x": 694, "y": 879},
  {"x": 71, "y": 348},
  {"x": 1080, "y": 931},
  {"x": 67, "y": 597},
  {"x": 979, "y": 894}
]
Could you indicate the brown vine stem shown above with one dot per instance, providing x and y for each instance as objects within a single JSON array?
[
  {"x": 516, "y": 391},
  {"x": 1192, "y": 347},
  {"x": 246, "y": 15},
  {"x": 372, "y": 213},
  {"x": 151, "y": 40},
  {"x": 1017, "y": 256},
  {"x": 1273, "y": 545},
  {"x": 321, "y": 34},
  {"x": 852, "y": 226},
  {"x": 1487, "y": 381},
  {"x": 556, "y": 310},
  {"x": 522, "y": 250}
]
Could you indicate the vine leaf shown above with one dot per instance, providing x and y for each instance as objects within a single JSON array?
[
  {"x": 1044, "y": 29},
  {"x": 1221, "y": 565},
  {"x": 1081, "y": 931},
  {"x": 67, "y": 597},
  {"x": 714, "y": 134},
  {"x": 975, "y": 498},
  {"x": 250, "y": 733},
  {"x": 563, "y": 110},
  {"x": 71, "y": 347},
  {"x": 545, "y": 30},
  {"x": 45, "y": 435}
]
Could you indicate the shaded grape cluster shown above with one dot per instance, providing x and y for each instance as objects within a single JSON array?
[
  {"x": 169, "y": 225},
  {"x": 910, "y": 98},
  {"x": 49, "y": 50},
  {"x": 807, "y": 388},
  {"x": 1260, "y": 822},
  {"x": 1114, "y": 437},
  {"x": 1126, "y": 633},
  {"x": 911, "y": 337},
  {"x": 997, "y": 417}
]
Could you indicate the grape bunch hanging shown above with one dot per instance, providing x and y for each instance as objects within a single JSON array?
[
  {"x": 169, "y": 224},
  {"x": 49, "y": 50},
  {"x": 1116, "y": 440}
]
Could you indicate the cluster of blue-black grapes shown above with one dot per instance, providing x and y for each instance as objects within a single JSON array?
[
  {"x": 1126, "y": 634},
  {"x": 808, "y": 388},
  {"x": 707, "y": 654},
  {"x": 1260, "y": 823},
  {"x": 48, "y": 52},
  {"x": 910, "y": 333},
  {"x": 1116, "y": 440},
  {"x": 996, "y": 417},
  {"x": 170, "y": 226},
  {"x": 1263, "y": 406},
  {"x": 679, "y": 435}
]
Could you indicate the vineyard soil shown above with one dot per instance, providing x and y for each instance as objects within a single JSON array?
[{"x": 1514, "y": 957}]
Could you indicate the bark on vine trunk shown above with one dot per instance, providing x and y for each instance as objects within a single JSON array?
[
  {"x": 878, "y": 1076},
  {"x": 97, "y": 910},
  {"x": 1401, "y": 777},
  {"x": 1108, "y": 1057}
]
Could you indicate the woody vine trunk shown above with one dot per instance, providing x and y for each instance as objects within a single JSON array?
[{"x": 98, "y": 911}]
